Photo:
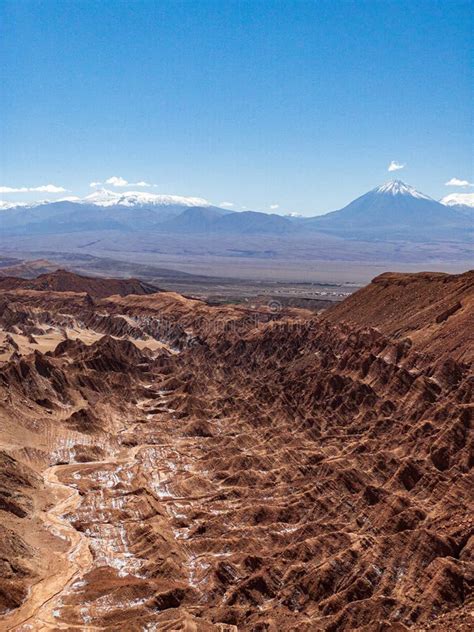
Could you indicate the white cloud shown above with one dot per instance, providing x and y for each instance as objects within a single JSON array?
[
  {"x": 226, "y": 204},
  {"x": 44, "y": 188},
  {"x": 456, "y": 182},
  {"x": 118, "y": 181},
  {"x": 273, "y": 207},
  {"x": 395, "y": 166},
  {"x": 49, "y": 188}
]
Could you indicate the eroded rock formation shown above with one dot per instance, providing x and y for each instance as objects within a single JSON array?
[{"x": 167, "y": 465}]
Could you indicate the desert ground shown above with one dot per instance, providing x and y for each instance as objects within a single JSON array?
[{"x": 168, "y": 463}]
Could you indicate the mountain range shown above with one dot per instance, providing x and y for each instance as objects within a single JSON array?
[{"x": 392, "y": 211}]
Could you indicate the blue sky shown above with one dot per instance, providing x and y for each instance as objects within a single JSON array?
[{"x": 261, "y": 103}]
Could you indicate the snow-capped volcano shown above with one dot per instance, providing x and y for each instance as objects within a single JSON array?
[
  {"x": 397, "y": 187},
  {"x": 393, "y": 210},
  {"x": 104, "y": 197}
]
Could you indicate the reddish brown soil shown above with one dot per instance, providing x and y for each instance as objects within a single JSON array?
[
  {"x": 435, "y": 310},
  {"x": 167, "y": 465}
]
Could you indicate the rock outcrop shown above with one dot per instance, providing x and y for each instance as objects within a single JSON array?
[{"x": 65, "y": 281}]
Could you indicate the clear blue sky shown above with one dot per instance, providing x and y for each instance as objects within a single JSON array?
[{"x": 295, "y": 103}]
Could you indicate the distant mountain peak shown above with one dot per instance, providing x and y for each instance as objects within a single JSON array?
[
  {"x": 104, "y": 197},
  {"x": 397, "y": 187},
  {"x": 396, "y": 211},
  {"x": 459, "y": 199},
  {"x": 4, "y": 205}
]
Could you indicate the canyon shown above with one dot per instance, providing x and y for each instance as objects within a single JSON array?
[{"x": 168, "y": 464}]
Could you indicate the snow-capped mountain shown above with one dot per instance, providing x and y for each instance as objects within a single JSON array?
[
  {"x": 459, "y": 199},
  {"x": 100, "y": 211},
  {"x": 7, "y": 205},
  {"x": 4, "y": 205},
  {"x": 107, "y": 198},
  {"x": 104, "y": 197}
]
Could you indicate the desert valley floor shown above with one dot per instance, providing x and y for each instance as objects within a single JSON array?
[{"x": 166, "y": 464}]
